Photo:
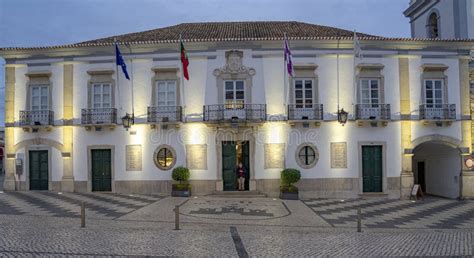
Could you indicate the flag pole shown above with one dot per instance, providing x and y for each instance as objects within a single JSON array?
[
  {"x": 117, "y": 78},
  {"x": 354, "y": 97},
  {"x": 182, "y": 80},
  {"x": 285, "y": 76},
  {"x": 337, "y": 76},
  {"x": 131, "y": 66}
]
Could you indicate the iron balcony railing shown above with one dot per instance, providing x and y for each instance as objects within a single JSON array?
[
  {"x": 235, "y": 112},
  {"x": 438, "y": 111},
  {"x": 36, "y": 117},
  {"x": 92, "y": 116},
  {"x": 372, "y": 112},
  {"x": 305, "y": 112},
  {"x": 164, "y": 114}
]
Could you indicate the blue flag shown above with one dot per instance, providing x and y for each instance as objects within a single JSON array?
[{"x": 120, "y": 61}]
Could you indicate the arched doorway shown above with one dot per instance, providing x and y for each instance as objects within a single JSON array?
[{"x": 437, "y": 168}]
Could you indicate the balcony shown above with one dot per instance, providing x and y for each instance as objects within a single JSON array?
[
  {"x": 372, "y": 112},
  {"x": 438, "y": 112},
  {"x": 36, "y": 118},
  {"x": 235, "y": 112},
  {"x": 98, "y": 116},
  {"x": 164, "y": 114},
  {"x": 310, "y": 112}
]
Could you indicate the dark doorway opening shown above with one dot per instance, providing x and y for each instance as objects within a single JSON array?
[{"x": 232, "y": 154}]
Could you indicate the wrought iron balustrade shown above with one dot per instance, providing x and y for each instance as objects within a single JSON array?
[
  {"x": 36, "y": 117},
  {"x": 438, "y": 111},
  {"x": 305, "y": 112},
  {"x": 164, "y": 114},
  {"x": 235, "y": 112},
  {"x": 372, "y": 112},
  {"x": 93, "y": 116}
]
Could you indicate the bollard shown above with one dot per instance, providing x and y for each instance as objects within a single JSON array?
[
  {"x": 176, "y": 217},
  {"x": 359, "y": 220},
  {"x": 83, "y": 214}
]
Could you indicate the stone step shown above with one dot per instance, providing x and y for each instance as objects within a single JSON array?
[
  {"x": 373, "y": 196},
  {"x": 238, "y": 194}
]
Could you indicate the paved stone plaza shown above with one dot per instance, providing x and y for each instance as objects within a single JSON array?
[{"x": 47, "y": 223}]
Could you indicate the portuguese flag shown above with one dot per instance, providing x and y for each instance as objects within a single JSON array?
[{"x": 184, "y": 60}]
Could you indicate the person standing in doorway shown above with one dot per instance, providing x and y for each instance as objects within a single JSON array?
[{"x": 241, "y": 174}]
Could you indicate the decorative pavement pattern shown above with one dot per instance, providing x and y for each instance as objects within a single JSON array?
[
  {"x": 235, "y": 209},
  {"x": 98, "y": 205},
  {"x": 430, "y": 213}
]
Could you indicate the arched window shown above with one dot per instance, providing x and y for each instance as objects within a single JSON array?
[{"x": 432, "y": 26}]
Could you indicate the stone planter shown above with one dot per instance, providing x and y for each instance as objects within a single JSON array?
[
  {"x": 285, "y": 195},
  {"x": 180, "y": 191}
]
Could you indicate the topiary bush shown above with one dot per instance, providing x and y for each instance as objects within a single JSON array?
[
  {"x": 181, "y": 174},
  {"x": 288, "y": 177}
]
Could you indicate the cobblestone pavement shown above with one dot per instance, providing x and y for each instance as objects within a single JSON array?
[
  {"x": 431, "y": 213},
  {"x": 98, "y": 205},
  {"x": 47, "y": 224},
  {"x": 31, "y": 236}
]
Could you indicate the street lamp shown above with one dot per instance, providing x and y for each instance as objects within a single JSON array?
[
  {"x": 128, "y": 120},
  {"x": 342, "y": 116}
]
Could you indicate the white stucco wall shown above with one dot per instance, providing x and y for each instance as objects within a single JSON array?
[{"x": 268, "y": 88}]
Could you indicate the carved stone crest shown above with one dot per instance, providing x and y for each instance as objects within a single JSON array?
[{"x": 234, "y": 64}]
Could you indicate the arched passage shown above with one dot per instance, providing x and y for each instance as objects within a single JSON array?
[{"x": 437, "y": 168}]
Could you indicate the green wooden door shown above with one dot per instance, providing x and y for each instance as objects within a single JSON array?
[
  {"x": 39, "y": 170},
  {"x": 246, "y": 162},
  {"x": 101, "y": 170},
  {"x": 372, "y": 169},
  {"x": 229, "y": 159}
]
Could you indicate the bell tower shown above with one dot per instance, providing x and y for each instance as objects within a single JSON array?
[{"x": 443, "y": 19}]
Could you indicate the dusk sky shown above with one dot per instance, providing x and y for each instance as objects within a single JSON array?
[{"x": 54, "y": 22}]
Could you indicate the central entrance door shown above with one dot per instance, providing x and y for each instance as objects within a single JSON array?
[
  {"x": 372, "y": 169},
  {"x": 233, "y": 153},
  {"x": 101, "y": 170},
  {"x": 39, "y": 170}
]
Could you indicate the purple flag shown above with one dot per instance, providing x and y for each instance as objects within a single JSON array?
[{"x": 288, "y": 62}]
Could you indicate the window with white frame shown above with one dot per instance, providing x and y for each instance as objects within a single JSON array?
[
  {"x": 303, "y": 93},
  {"x": 101, "y": 95},
  {"x": 434, "y": 93},
  {"x": 39, "y": 97},
  {"x": 370, "y": 92},
  {"x": 234, "y": 94},
  {"x": 166, "y": 93}
]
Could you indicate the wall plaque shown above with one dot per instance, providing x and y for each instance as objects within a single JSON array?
[
  {"x": 133, "y": 157},
  {"x": 338, "y": 155},
  {"x": 196, "y": 156},
  {"x": 274, "y": 155}
]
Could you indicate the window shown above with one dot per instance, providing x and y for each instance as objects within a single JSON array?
[
  {"x": 432, "y": 26},
  {"x": 101, "y": 95},
  {"x": 39, "y": 97},
  {"x": 234, "y": 94},
  {"x": 303, "y": 93},
  {"x": 370, "y": 92},
  {"x": 434, "y": 93},
  {"x": 164, "y": 157},
  {"x": 307, "y": 155},
  {"x": 165, "y": 93}
]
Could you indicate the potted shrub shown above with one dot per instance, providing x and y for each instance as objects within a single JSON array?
[
  {"x": 182, "y": 188},
  {"x": 289, "y": 177}
]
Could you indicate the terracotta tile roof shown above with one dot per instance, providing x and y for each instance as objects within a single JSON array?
[
  {"x": 221, "y": 31},
  {"x": 235, "y": 31}
]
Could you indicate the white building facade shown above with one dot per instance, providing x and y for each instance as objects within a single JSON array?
[
  {"x": 445, "y": 19},
  {"x": 408, "y": 101}
]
